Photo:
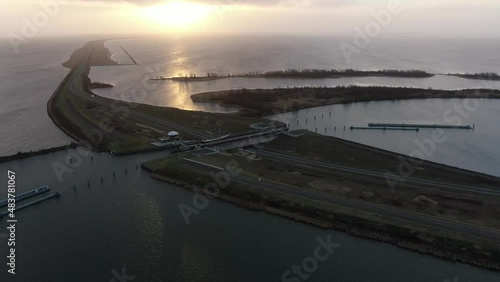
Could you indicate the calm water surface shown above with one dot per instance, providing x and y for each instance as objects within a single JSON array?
[
  {"x": 135, "y": 221},
  {"x": 171, "y": 56},
  {"x": 470, "y": 149},
  {"x": 28, "y": 78}
]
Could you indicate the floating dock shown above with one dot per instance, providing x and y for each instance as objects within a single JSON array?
[
  {"x": 404, "y": 125},
  {"x": 26, "y": 195},
  {"x": 385, "y": 128},
  {"x": 53, "y": 195}
]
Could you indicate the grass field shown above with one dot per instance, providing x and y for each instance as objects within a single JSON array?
[
  {"x": 261, "y": 102},
  {"x": 465, "y": 207}
]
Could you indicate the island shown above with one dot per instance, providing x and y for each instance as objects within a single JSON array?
[
  {"x": 302, "y": 73},
  {"x": 477, "y": 76},
  {"x": 261, "y": 102}
]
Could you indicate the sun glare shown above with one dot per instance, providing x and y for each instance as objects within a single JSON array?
[{"x": 177, "y": 14}]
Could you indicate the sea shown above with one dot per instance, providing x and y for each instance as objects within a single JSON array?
[{"x": 99, "y": 230}]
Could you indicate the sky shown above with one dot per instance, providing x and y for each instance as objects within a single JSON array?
[{"x": 460, "y": 18}]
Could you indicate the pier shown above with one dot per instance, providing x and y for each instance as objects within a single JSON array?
[
  {"x": 26, "y": 195},
  {"x": 128, "y": 54},
  {"x": 53, "y": 195},
  {"x": 404, "y": 125},
  {"x": 385, "y": 128}
]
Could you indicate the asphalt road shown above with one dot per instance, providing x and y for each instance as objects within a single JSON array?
[
  {"x": 382, "y": 210},
  {"x": 78, "y": 90},
  {"x": 424, "y": 183}
]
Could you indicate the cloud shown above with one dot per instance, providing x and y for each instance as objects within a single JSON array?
[{"x": 264, "y": 3}]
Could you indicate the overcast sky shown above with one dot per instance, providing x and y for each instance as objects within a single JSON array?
[{"x": 423, "y": 17}]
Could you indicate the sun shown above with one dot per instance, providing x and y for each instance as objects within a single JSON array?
[{"x": 178, "y": 14}]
